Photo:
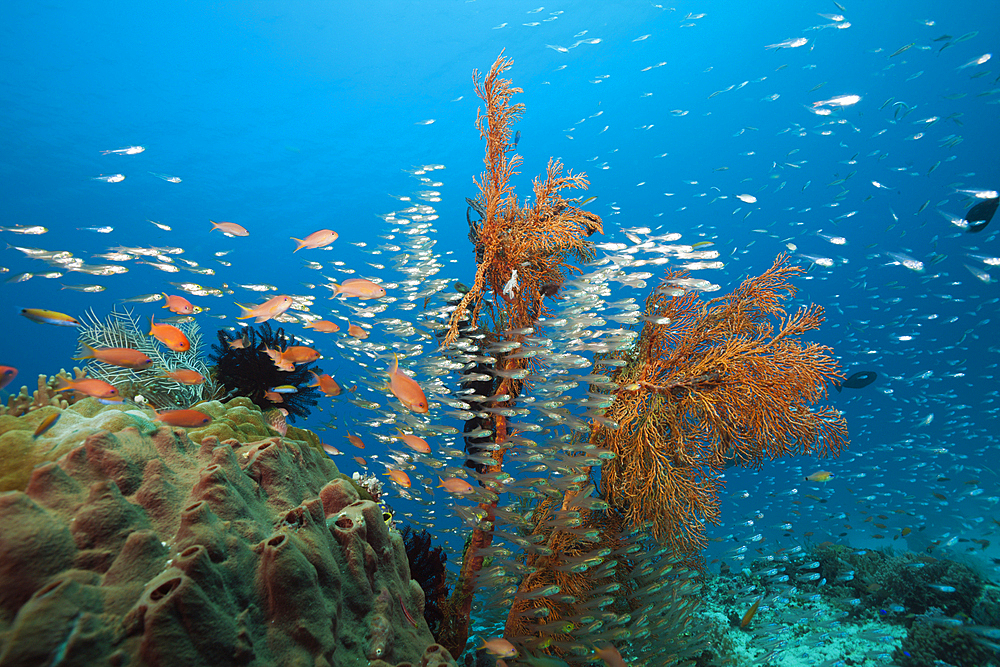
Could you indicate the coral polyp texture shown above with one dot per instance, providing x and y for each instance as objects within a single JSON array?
[{"x": 150, "y": 545}]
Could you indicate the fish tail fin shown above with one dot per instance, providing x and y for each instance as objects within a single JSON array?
[
  {"x": 215, "y": 226},
  {"x": 89, "y": 355},
  {"x": 247, "y": 312},
  {"x": 836, "y": 385},
  {"x": 152, "y": 326},
  {"x": 394, "y": 367},
  {"x": 301, "y": 243},
  {"x": 64, "y": 384},
  {"x": 336, "y": 290},
  {"x": 165, "y": 299}
]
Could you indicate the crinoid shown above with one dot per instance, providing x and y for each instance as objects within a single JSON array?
[
  {"x": 122, "y": 329},
  {"x": 244, "y": 369},
  {"x": 427, "y": 568}
]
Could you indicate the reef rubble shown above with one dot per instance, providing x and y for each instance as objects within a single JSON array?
[{"x": 144, "y": 544}]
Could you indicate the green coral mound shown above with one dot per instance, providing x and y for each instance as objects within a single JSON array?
[{"x": 20, "y": 453}]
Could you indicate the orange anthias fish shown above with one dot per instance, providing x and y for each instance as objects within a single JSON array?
[
  {"x": 457, "y": 486},
  {"x": 820, "y": 476},
  {"x": 399, "y": 477},
  {"x": 271, "y": 308},
  {"x": 355, "y": 331},
  {"x": 183, "y": 418},
  {"x": 238, "y": 344},
  {"x": 7, "y": 375},
  {"x": 406, "y": 389},
  {"x": 89, "y": 387},
  {"x": 326, "y": 384},
  {"x": 747, "y": 617},
  {"x": 117, "y": 356},
  {"x": 185, "y": 376},
  {"x": 320, "y": 239},
  {"x": 49, "y": 317},
  {"x": 300, "y": 354},
  {"x": 499, "y": 647},
  {"x": 170, "y": 336},
  {"x": 610, "y": 655},
  {"x": 355, "y": 440},
  {"x": 279, "y": 360},
  {"x": 414, "y": 442},
  {"x": 359, "y": 287},
  {"x": 323, "y": 326},
  {"x": 179, "y": 305},
  {"x": 230, "y": 228}
]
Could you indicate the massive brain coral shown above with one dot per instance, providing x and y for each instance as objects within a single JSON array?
[{"x": 142, "y": 547}]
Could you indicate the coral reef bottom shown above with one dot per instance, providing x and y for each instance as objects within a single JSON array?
[{"x": 139, "y": 546}]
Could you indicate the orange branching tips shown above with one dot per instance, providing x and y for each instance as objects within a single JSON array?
[{"x": 523, "y": 252}]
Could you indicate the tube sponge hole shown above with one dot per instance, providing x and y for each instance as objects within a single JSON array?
[{"x": 164, "y": 589}]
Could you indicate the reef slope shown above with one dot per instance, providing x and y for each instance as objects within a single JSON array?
[{"x": 140, "y": 545}]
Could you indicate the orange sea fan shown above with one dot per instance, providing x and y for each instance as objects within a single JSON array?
[{"x": 709, "y": 386}]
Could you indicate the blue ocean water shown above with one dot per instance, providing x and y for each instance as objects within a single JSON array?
[{"x": 290, "y": 117}]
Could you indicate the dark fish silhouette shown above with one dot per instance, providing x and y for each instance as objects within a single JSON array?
[
  {"x": 517, "y": 138},
  {"x": 980, "y": 215},
  {"x": 858, "y": 380}
]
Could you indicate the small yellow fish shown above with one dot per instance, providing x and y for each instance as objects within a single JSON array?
[
  {"x": 820, "y": 476},
  {"x": 46, "y": 424},
  {"x": 49, "y": 317}
]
